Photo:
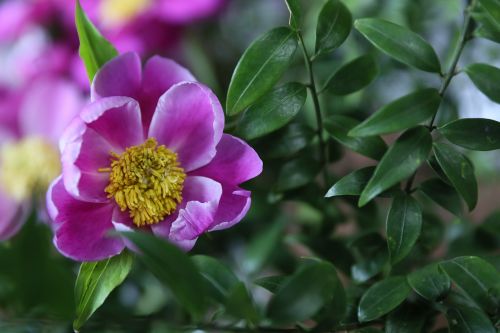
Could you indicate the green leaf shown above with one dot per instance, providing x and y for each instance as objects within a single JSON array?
[
  {"x": 95, "y": 281},
  {"x": 271, "y": 283},
  {"x": 383, "y": 297},
  {"x": 485, "y": 77},
  {"x": 240, "y": 304},
  {"x": 430, "y": 282},
  {"x": 260, "y": 67},
  {"x": 406, "y": 319},
  {"x": 220, "y": 280},
  {"x": 442, "y": 194},
  {"x": 175, "y": 269},
  {"x": 94, "y": 50},
  {"x": 297, "y": 173},
  {"x": 262, "y": 247},
  {"x": 288, "y": 141},
  {"x": 272, "y": 111},
  {"x": 295, "y": 14},
  {"x": 473, "y": 133},
  {"x": 399, "y": 162},
  {"x": 404, "y": 223},
  {"x": 305, "y": 293},
  {"x": 400, "y": 43},
  {"x": 338, "y": 126},
  {"x": 459, "y": 170},
  {"x": 492, "y": 8},
  {"x": 476, "y": 278},
  {"x": 464, "y": 319},
  {"x": 334, "y": 26},
  {"x": 405, "y": 112},
  {"x": 353, "y": 76},
  {"x": 352, "y": 184}
]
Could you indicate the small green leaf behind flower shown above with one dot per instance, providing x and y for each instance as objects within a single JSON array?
[{"x": 485, "y": 77}]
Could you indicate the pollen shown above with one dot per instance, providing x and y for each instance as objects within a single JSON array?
[
  {"x": 28, "y": 166},
  {"x": 147, "y": 181}
]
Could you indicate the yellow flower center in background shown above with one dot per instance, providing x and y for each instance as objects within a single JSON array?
[
  {"x": 147, "y": 181},
  {"x": 28, "y": 165},
  {"x": 116, "y": 12}
]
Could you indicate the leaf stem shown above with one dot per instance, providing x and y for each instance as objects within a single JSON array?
[
  {"x": 465, "y": 37},
  {"x": 319, "y": 118}
]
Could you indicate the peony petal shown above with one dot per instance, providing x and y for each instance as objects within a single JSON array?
[
  {"x": 189, "y": 120},
  {"x": 13, "y": 214},
  {"x": 48, "y": 106},
  {"x": 233, "y": 206},
  {"x": 195, "y": 216},
  {"x": 121, "y": 76},
  {"x": 182, "y": 11},
  {"x": 160, "y": 74},
  {"x": 81, "y": 228},
  {"x": 234, "y": 163}
]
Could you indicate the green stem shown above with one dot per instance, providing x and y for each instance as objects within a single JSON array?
[
  {"x": 317, "y": 109},
  {"x": 465, "y": 37}
]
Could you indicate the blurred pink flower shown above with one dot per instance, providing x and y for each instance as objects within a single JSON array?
[
  {"x": 147, "y": 153},
  {"x": 31, "y": 121}
]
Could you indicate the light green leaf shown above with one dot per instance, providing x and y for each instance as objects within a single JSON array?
[
  {"x": 400, "y": 43},
  {"x": 473, "y": 133},
  {"x": 338, "y": 126},
  {"x": 383, "y": 297},
  {"x": 404, "y": 223},
  {"x": 95, "y": 281},
  {"x": 95, "y": 50},
  {"x": 405, "y": 112},
  {"x": 430, "y": 282},
  {"x": 399, "y": 162},
  {"x": 260, "y": 67},
  {"x": 459, "y": 170},
  {"x": 485, "y": 77},
  {"x": 272, "y": 111},
  {"x": 295, "y": 14},
  {"x": 334, "y": 26},
  {"x": 492, "y": 8},
  {"x": 353, "y": 76},
  {"x": 352, "y": 184},
  {"x": 175, "y": 269}
]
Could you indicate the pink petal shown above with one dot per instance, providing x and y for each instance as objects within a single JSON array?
[
  {"x": 160, "y": 74},
  {"x": 182, "y": 11},
  {"x": 234, "y": 163},
  {"x": 189, "y": 120},
  {"x": 233, "y": 206},
  {"x": 15, "y": 17},
  {"x": 121, "y": 76},
  {"x": 12, "y": 216},
  {"x": 82, "y": 228},
  {"x": 48, "y": 106}
]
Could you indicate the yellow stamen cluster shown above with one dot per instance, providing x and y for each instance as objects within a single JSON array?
[
  {"x": 147, "y": 181},
  {"x": 28, "y": 166},
  {"x": 116, "y": 12}
]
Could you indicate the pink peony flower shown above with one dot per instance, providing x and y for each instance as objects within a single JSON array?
[
  {"x": 30, "y": 125},
  {"x": 147, "y": 153}
]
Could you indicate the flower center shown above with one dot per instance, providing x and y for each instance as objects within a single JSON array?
[
  {"x": 116, "y": 12},
  {"x": 28, "y": 165},
  {"x": 147, "y": 181}
]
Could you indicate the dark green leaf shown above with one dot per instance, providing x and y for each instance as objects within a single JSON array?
[
  {"x": 400, "y": 43},
  {"x": 430, "y": 282},
  {"x": 353, "y": 76},
  {"x": 271, "y": 283},
  {"x": 406, "y": 319},
  {"x": 400, "y": 161},
  {"x": 220, "y": 279},
  {"x": 240, "y": 304},
  {"x": 95, "y": 50},
  {"x": 475, "y": 277},
  {"x": 371, "y": 251},
  {"x": 175, "y": 269},
  {"x": 404, "y": 223},
  {"x": 464, "y": 319},
  {"x": 459, "y": 171},
  {"x": 473, "y": 133},
  {"x": 288, "y": 141},
  {"x": 272, "y": 111},
  {"x": 383, "y": 297},
  {"x": 338, "y": 126},
  {"x": 297, "y": 173},
  {"x": 261, "y": 248},
  {"x": 352, "y": 184},
  {"x": 492, "y": 8},
  {"x": 334, "y": 26},
  {"x": 260, "y": 67},
  {"x": 95, "y": 281},
  {"x": 486, "y": 78},
  {"x": 403, "y": 113},
  {"x": 442, "y": 194},
  {"x": 305, "y": 293},
  {"x": 295, "y": 14}
]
